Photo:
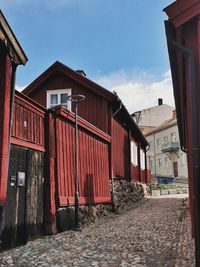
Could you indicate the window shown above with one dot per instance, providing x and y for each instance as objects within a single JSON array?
[
  {"x": 166, "y": 160},
  {"x": 134, "y": 154},
  {"x": 158, "y": 143},
  {"x": 151, "y": 164},
  {"x": 142, "y": 159},
  {"x": 150, "y": 145},
  {"x": 159, "y": 163},
  {"x": 165, "y": 140},
  {"x": 58, "y": 97},
  {"x": 173, "y": 137}
]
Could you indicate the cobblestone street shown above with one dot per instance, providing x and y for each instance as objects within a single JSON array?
[{"x": 155, "y": 233}]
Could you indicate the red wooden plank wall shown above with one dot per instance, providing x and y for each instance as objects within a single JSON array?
[
  {"x": 94, "y": 182},
  {"x": 120, "y": 150},
  {"x": 135, "y": 176},
  {"x": 143, "y": 176},
  {"x": 27, "y": 124}
]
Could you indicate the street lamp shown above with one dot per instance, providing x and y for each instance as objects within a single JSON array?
[{"x": 76, "y": 99}]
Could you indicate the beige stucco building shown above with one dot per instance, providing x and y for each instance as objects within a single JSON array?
[{"x": 159, "y": 125}]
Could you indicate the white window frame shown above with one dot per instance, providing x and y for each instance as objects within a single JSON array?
[
  {"x": 58, "y": 92},
  {"x": 134, "y": 153},
  {"x": 166, "y": 159},
  {"x": 159, "y": 163},
  {"x": 158, "y": 143},
  {"x": 142, "y": 159}
]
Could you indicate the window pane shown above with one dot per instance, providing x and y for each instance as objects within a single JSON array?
[
  {"x": 54, "y": 99},
  {"x": 63, "y": 98}
]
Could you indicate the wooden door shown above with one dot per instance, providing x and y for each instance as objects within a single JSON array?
[
  {"x": 175, "y": 169},
  {"x": 13, "y": 230},
  {"x": 34, "y": 194},
  {"x": 22, "y": 216}
]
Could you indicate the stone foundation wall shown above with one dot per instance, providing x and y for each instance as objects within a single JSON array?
[{"x": 125, "y": 194}]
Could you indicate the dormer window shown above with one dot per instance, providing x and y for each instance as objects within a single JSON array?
[{"x": 58, "y": 97}]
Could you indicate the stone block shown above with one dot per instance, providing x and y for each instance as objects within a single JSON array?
[
  {"x": 172, "y": 191},
  {"x": 164, "y": 192},
  {"x": 155, "y": 192}
]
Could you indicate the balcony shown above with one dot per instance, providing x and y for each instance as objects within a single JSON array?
[{"x": 172, "y": 146}]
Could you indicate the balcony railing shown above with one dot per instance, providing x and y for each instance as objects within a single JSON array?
[{"x": 172, "y": 146}]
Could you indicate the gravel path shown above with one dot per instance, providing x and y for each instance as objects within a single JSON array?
[{"x": 155, "y": 233}]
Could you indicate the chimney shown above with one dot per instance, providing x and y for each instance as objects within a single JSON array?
[
  {"x": 81, "y": 72},
  {"x": 160, "y": 101}
]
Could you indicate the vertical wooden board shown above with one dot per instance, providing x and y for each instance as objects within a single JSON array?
[
  {"x": 34, "y": 196},
  {"x": 13, "y": 121},
  {"x": 58, "y": 157},
  {"x": 69, "y": 159},
  {"x": 63, "y": 145}
]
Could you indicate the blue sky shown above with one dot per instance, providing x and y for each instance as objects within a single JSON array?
[{"x": 119, "y": 43}]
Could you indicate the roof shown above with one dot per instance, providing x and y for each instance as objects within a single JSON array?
[
  {"x": 9, "y": 40},
  {"x": 60, "y": 67},
  {"x": 152, "y": 108},
  {"x": 181, "y": 11},
  {"x": 163, "y": 126}
]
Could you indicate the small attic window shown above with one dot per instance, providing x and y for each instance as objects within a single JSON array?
[{"x": 58, "y": 97}]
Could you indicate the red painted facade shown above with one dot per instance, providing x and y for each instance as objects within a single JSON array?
[
  {"x": 94, "y": 183},
  {"x": 120, "y": 150},
  {"x": 95, "y": 109},
  {"x": 183, "y": 35},
  {"x": 27, "y": 123}
]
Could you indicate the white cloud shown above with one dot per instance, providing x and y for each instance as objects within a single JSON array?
[
  {"x": 139, "y": 90},
  {"x": 19, "y": 88}
]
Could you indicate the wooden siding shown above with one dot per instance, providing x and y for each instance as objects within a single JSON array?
[
  {"x": 27, "y": 124},
  {"x": 95, "y": 109},
  {"x": 120, "y": 150},
  {"x": 135, "y": 173},
  {"x": 94, "y": 182}
]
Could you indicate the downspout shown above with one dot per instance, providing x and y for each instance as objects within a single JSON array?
[
  {"x": 112, "y": 179},
  {"x": 195, "y": 144}
]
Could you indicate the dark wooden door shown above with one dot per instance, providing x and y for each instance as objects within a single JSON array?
[
  {"x": 175, "y": 169},
  {"x": 22, "y": 216},
  {"x": 34, "y": 194},
  {"x": 13, "y": 221}
]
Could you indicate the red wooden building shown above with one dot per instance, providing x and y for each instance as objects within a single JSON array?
[
  {"x": 111, "y": 144},
  {"x": 183, "y": 38}
]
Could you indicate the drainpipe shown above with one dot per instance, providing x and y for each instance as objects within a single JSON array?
[{"x": 195, "y": 134}]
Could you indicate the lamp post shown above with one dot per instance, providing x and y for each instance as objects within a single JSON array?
[{"x": 76, "y": 99}]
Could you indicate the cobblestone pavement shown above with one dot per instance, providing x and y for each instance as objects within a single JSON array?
[{"x": 155, "y": 233}]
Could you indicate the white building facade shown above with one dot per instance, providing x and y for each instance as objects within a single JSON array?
[{"x": 165, "y": 157}]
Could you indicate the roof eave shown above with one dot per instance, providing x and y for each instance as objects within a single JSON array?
[{"x": 9, "y": 40}]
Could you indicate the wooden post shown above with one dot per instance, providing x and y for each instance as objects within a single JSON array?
[
  {"x": 50, "y": 183},
  {"x": 5, "y": 103}
]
